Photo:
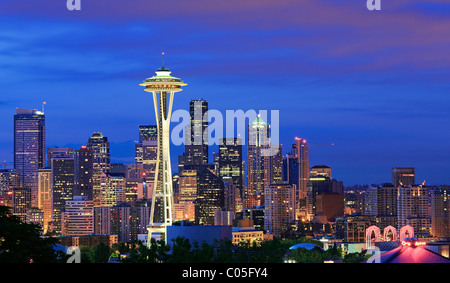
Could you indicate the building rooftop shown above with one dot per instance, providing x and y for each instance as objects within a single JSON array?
[
  {"x": 412, "y": 254},
  {"x": 259, "y": 121}
]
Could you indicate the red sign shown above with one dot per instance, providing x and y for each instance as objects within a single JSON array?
[{"x": 414, "y": 243}]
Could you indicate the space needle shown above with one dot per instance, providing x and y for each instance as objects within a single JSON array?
[{"x": 163, "y": 87}]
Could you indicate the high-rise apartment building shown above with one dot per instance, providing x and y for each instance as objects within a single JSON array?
[
  {"x": 78, "y": 217},
  {"x": 412, "y": 208},
  {"x": 381, "y": 202},
  {"x": 440, "y": 212},
  {"x": 29, "y": 148},
  {"x": 403, "y": 176},
  {"x": 279, "y": 208},
  {"x": 303, "y": 170},
  {"x": 46, "y": 197}
]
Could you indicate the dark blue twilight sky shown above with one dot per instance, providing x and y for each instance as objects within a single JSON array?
[{"x": 374, "y": 83}]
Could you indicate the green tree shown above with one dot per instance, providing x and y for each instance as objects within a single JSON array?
[
  {"x": 101, "y": 253},
  {"x": 21, "y": 242},
  {"x": 139, "y": 253},
  {"x": 356, "y": 257},
  {"x": 181, "y": 251}
]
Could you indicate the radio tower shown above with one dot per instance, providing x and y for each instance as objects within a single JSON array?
[{"x": 163, "y": 87}]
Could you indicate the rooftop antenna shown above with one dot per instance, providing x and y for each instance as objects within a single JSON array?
[
  {"x": 163, "y": 60},
  {"x": 43, "y": 104}
]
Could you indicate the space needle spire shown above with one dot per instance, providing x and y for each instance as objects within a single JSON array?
[{"x": 163, "y": 86}]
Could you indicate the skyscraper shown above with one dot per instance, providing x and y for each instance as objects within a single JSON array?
[
  {"x": 58, "y": 152},
  {"x": 210, "y": 195},
  {"x": 62, "y": 188},
  {"x": 146, "y": 155},
  {"x": 99, "y": 145},
  {"x": 303, "y": 170},
  {"x": 187, "y": 193},
  {"x": 381, "y": 201},
  {"x": 321, "y": 170},
  {"x": 262, "y": 168},
  {"x": 440, "y": 212},
  {"x": 84, "y": 170},
  {"x": 412, "y": 208},
  {"x": 231, "y": 166},
  {"x": 29, "y": 148},
  {"x": 146, "y": 152},
  {"x": 196, "y": 142},
  {"x": 290, "y": 167},
  {"x": 148, "y": 133},
  {"x": 279, "y": 208},
  {"x": 46, "y": 197},
  {"x": 321, "y": 184},
  {"x": 405, "y": 176}
]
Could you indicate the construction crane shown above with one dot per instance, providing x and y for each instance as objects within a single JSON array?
[
  {"x": 321, "y": 144},
  {"x": 4, "y": 164}
]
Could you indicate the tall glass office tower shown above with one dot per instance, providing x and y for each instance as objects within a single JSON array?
[
  {"x": 101, "y": 158},
  {"x": 262, "y": 169},
  {"x": 29, "y": 149},
  {"x": 196, "y": 143}
]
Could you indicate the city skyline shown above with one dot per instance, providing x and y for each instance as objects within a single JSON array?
[
  {"x": 372, "y": 84},
  {"x": 275, "y": 132}
]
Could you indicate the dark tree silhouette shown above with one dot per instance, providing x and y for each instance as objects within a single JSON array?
[{"x": 21, "y": 242}]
